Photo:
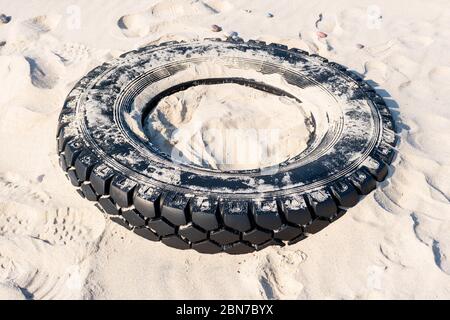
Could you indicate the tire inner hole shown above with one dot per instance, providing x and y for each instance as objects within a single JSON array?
[{"x": 228, "y": 124}]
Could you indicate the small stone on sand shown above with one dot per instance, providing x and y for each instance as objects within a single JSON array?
[
  {"x": 269, "y": 15},
  {"x": 233, "y": 34},
  {"x": 216, "y": 28},
  {"x": 321, "y": 34},
  {"x": 4, "y": 18},
  {"x": 360, "y": 46},
  {"x": 2, "y": 43}
]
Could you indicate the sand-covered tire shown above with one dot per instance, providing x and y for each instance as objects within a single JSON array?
[{"x": 184, "y": 206}]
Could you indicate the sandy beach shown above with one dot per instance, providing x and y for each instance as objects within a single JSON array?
[{"x": 395, "y": 244}]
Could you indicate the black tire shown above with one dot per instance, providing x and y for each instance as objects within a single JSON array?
[{"x": 187, "y": 207}]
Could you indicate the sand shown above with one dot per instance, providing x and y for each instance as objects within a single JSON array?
[
  {"x": 394, "y": 244},
  {"x": 229, "y": 127}
]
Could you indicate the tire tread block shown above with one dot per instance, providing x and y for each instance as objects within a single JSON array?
[
  {"x": 108, "y": 206},
  {"x": 133, "y": 218},
  {"x": 146, "y": 201},
  {"x": 239, "y": 248},
  {"x": 235, "y": 215},
  {"x": 204, "y": 213},
  {"x": 345, "y": 193},
  {"x": 161, "y": 227},
  {"x": 71, "y": 174},
  {"x": 287, "y": 232},
  {"x": 271, "y": 242},
  {"x": 206, "y": 247},
  {"x": 176, "y": 242},
  {"x": 100, "y": 179},
  {"x": 174, "y": 207},
  {"x": 297, "y": 239},
  {"x": 192, "y": 233},
  {"x": 63, "y": 139},
  {"x": 266, "y": 214},
  {"x": 89, "y": 192},
  {"x": 121, "y": 190},
  {"x": 62, "y": 162},
  {"x": 121, "y": 222},
  {"x": 363, "y": 181},
  {"x": 295, "y": 210},
  {"x": 256, "y": 236},
  {"x": 224, "y": 236},
  {"x": 377, "y": 168},
  {"x": 146, "y": 233},
  {"x": 322, "y": 203},
  {"x": 84, "y": 164},
  {"x": 316, "y": 226},
  {"x": 71, "y": 151}
]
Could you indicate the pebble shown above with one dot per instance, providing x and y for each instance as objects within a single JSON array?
[
  {"x": 300, "y": 35},
  {"x": 216, "y": 28},
  {"x": 269, "y": 15},
  {"x": 248, "y": 10},
  {"x": 360, "y": 46},
  {"x": 321, "y": 34},
  {"x": 2, "y": 43},
  {"x": 233, "y": 34},
  {"x": 4, "y": 18}
]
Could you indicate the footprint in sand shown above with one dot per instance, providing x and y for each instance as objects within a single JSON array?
[
  {"x": 353, "y": 19},
  {"x": 439, "y": 186},
  {"x": 43, "y": 251},
  {"x": 9, "y": 291},
  {"x": 416, "y": 41},
  {"x": 72, "y": 53},
  {"x": 68, "y": 226},
  {"x": 39, "y": 270},
  {"x": 219, "y": 5},
  {"x": 376, "y": 70},
  {"x": 165, "y": 13},
  {"x": 403, "y": 65},
  {"x": 277, "y": 274},
  {"x": 440, "y": 74},
  {"x": 434, "y": 142},
  {"x": 64, "y": 226},
  {"x": 174, "y": 9},
  {"x": 44, "y": 73},
  {"x": 13, "y": 187},
  {"x": 387, "y": 202},
  {"x": 13, "y": 70},
  {"x": 382, "y": 50},
  {"x": 433, "y": 233},
  {"x": 18, "y": 219},
  {"x": 46, "y": 61},
  {"x": 42, "y": 24}
]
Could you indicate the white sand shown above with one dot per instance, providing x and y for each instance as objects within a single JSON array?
[
  {"x": 394, "y": 244},
  {"x": 229, "y": 127}
]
